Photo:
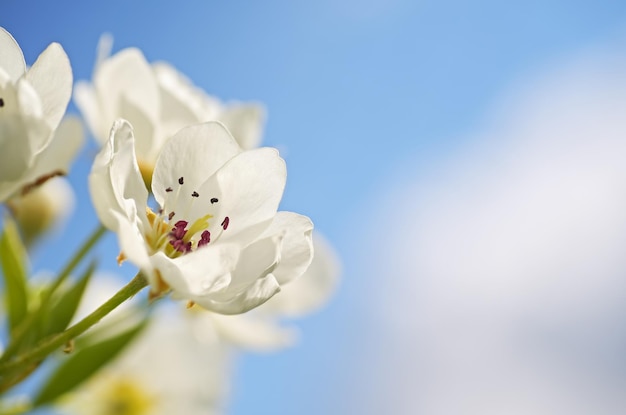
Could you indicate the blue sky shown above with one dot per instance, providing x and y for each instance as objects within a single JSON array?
[{"x": 357, "y": 93}]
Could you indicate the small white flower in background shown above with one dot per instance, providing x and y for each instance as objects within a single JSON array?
[
  {"x": 44, "y": 208},
  {"x": 259, "y": 329},
  {"x": 32, "y": 103},
  {"x": 158, "y": 101},
  {"x": 216, "y": 237},
  {"x": 165, "y": 370}
]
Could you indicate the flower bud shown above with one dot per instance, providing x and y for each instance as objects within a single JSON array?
[{"x": 42, "y": 208}]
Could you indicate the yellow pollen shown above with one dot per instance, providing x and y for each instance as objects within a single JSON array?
[
  {"x": 121, "y": 258},
  {"x": 124, "y": 397}
]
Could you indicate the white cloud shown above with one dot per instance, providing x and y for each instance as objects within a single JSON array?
[{"x": 504, "y": 277}]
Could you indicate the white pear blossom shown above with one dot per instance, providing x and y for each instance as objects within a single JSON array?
[
  {"x": 216, "y": 237},
  {"x": 158, "y": 101},
  {"x": 32, "y": 103}
]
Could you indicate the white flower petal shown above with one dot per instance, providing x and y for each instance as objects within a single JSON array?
[
  {"x": 252, "y": 185},
  {"x": 29, "y": 103},
  {"x": 194, "y": 153},
  {"x": 87, "y": 102},
  {"x": 143, "y": 130},
  {"x": 297, "y": 244},
  {"x": 132, "y": 244},
  {"x": 198, "y": 273},
  {"x": 60, "y": 153},
  {"x": 257, "y": 260},
  {"x": 245, "y": 122},
  {"x": 11, "y": 57},
  {"x": 236, "y": 303},
  {"x": 181, "y": 100},
  {"x": 115, "y": 182},
  {"x": 22, "y": 134},
  {"x": 127, "y": 74},
  {"x": 18, "y": 152},
  {"x": 51, "y": 76}
]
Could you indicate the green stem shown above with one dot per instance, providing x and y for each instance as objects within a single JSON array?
[
  {"x": 27, "y": 324},
  {"x": 48, "y": 345}
]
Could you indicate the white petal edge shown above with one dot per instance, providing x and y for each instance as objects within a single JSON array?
[
  {"x": 51, "y": 76},
  {"x": 11, "y": 56},
  {"x": 297, "y": 244},
  {"x": 115, "y": 183}
]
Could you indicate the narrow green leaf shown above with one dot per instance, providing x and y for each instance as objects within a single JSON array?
[
  {"x": 83, "y": 363},
  {"x": 13, "y": 260},
  {"x": 64, "y": 306}
]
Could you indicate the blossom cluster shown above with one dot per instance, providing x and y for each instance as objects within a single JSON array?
[{"x": 194, "y": 201}]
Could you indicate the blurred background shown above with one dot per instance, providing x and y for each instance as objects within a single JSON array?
[{"x": 465, "y": 159}]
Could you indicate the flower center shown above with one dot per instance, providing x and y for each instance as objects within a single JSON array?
[
  {"x": 125, "y": 397},
  {"x": 170, "y": 233}
]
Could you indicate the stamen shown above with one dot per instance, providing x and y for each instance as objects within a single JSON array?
[
  {"x": 181, "y": 180},
  {"x": 169, "y": 189},
  {"x": 195, "y": 194},
  {"x": 214, "y": 200},
  {"x": 179, "y": 231},
  {"x": 181, "y": 246},
  {"x": 205, "y": 238},
  {"x": 170, "y": 216},
  {"x": 225, "y": 222},
  {"x": 1, "y": 102}
]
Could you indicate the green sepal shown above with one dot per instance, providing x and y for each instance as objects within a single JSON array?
[
  {"x": 13, "y": 259},
  {"x": 82, "y": 363}
]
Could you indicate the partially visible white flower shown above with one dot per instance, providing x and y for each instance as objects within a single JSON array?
[
  {"x": 46, "y": 207},
  {"x": 260, "y": 329},
  {"x": 216, "y": 237},
  {"x": 32, "y": 103},
  {"x": 158, "y": 101},
  {"x": 165, "y": 370}
]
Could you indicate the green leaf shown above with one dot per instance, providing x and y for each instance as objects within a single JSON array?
[
  {"x": 83, "y": 363},
  {"x": 13, "y": 260},
  {"x": 64, "y": 306}
]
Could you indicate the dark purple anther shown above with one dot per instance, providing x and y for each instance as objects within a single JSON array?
[
  {"x": 181, "y": 181},
  {"x": 179, "y": 231},
  {"x": 205, "y": 238},
  {"x": 169, "y": 189},
  {"x": 1, "y": 103},
  {"x": 181, "y": 246},
  {"x": 214, "y": 200},
  {"x": 170, "y": 216},
  {"x": 195, "y": 194},
  {"x": 225, "y": 222}
]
